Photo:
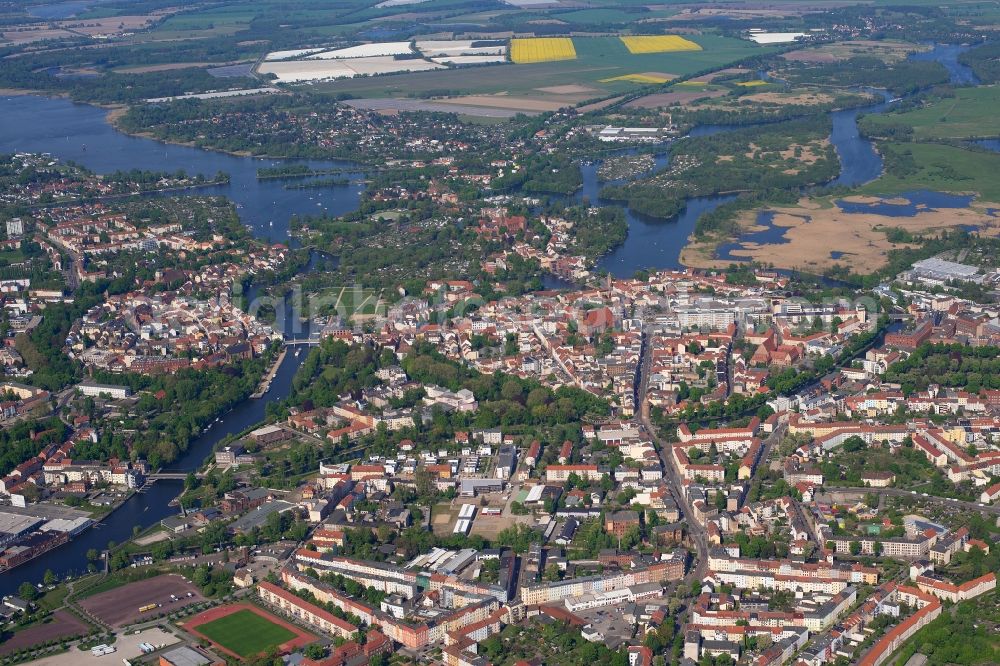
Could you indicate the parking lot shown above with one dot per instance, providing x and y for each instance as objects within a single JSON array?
[{"x": 127, "y": 647}]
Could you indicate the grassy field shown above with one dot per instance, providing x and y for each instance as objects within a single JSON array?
[
  {"x": 598, "y": 64},
  {"x": 348, "y": 302},
  {"x": 888, "y": 50},
  {"x": 8, "y": 257},
  {"x": 609, "y": 15},
  {"x": 246, "y": 633},
  {"x": 941, "y": 168},
  {"x": 972, "y": 112},
  {"x": 204, "y": 24}
]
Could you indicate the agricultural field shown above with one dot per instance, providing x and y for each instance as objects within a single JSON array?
[
  {"x": 317, "y": 63},
  {"x": 296, "y": 71},
  {"x": 679, "y": 96},
  {"x": 364, "y": 51},
  {"x": 639, "y": 44},
  {"x": 603, "y": 66},
  {"x": 969, "y": 113},
  {"x": 453, "y": 50},
  {"x": 541, "y": 49},
  {"x": 244, "y": 631},
  {"x": 646, "y": 78}
]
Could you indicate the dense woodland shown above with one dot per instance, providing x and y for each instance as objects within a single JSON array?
[
  {"x": 984, "y": 61},
  {"x": 951, "y": 366},
  {"x": 163, "y": 427}
]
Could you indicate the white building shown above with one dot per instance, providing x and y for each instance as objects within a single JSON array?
[{"x": 112, "y": 390}]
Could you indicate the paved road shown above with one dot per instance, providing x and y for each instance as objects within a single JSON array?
[
  {"x": 696, "y": 530},
  {"x": 898, "y": 492},
  {"x": 768, "y": 444}
]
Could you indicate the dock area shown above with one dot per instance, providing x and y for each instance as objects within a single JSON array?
[{"x": 265, "y": 384}]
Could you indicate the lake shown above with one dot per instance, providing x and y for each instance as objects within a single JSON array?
[{"x": 80, "y": 132}]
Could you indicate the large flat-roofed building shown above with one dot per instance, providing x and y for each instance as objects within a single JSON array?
[
  {"x": 185, "y": 656},
  {"x": 115, "y": 391},
  {"x": 269, "y": 434},
  {"x": 939, "y": 271}
]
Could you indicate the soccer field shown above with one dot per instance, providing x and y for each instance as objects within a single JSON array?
[{"x": 245, "y": 633}]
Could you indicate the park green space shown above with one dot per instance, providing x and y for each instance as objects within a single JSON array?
[
  {"x": 246, "y": 633},
  {"x": 349, "y": 301},
  {"x": 598, "y": 58},
  {"x": 938, "y": 167},
  {"x": 970, "y": 113}
]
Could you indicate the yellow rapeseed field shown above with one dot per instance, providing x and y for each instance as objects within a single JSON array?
[
  {"x": 542, "y": 49},
  {"x": 658, "y": 44},
  {"x": 640, "y": 78},
  {"x": 752, "y": 84}
]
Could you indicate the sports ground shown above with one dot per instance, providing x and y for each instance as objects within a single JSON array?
[{"x": 244, "y": 630}]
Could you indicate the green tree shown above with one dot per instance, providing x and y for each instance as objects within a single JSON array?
[
  {"x": 315, "y": 651},
  {"x": 27, "y": 591}
]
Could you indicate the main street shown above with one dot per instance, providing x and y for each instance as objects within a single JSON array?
[{"x": 696, "y": 531}]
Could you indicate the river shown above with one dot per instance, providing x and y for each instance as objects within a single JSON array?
[
  {"x": 658, "y": 243},
  {"x": 80, "y": 133},
  {"x": 151, "y": 504},
  {"x": 61, "y": 10}
]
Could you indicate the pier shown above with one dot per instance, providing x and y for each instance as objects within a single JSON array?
[{"x": 265, "y": 384}]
